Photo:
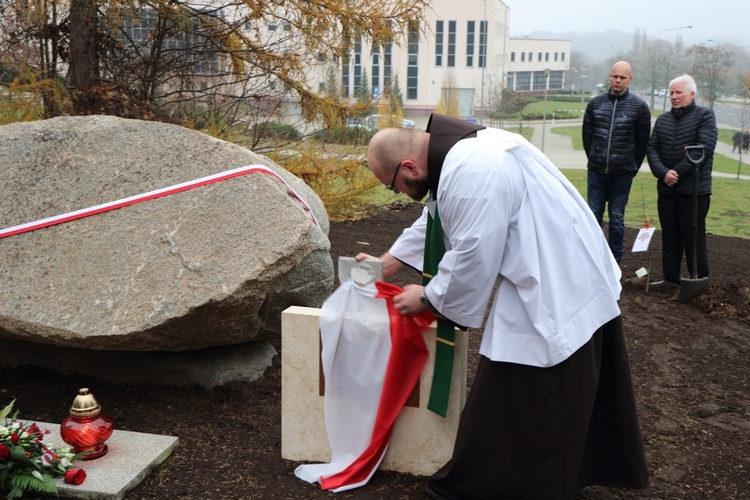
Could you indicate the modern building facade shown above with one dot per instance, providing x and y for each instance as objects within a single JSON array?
[
  {"x": 536, "y": 64},
  {"x": 463, "y": 50},
  {"x": 465, "y": 47}
]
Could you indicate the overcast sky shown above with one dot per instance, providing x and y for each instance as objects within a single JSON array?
[{"x": 721, "y": 20}]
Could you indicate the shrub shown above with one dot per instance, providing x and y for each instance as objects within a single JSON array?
[
  {"x": 345, "y": 135},
  {"x": 276, "y": 130}
]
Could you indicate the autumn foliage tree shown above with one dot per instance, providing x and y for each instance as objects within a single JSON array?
[
  {"x": 448, "y": 104},
  {"x": 198, "y": 60}
]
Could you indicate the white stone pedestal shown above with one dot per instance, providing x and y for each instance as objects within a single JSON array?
[{"x": 421, "y": 441}]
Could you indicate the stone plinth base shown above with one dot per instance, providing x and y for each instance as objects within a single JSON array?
[{"x": 421, "y": 441}]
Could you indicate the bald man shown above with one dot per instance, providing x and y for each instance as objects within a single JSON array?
[
  {"x": 616, "y": 129},
  {"x": 552, "y": 408}
]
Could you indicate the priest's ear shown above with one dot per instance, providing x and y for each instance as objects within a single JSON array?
[{"x": 411, "y": 167}]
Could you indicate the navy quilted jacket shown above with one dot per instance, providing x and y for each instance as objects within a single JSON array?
[
  {"x": 615, "y": 132},
  {"x": 688, "y": 126}
]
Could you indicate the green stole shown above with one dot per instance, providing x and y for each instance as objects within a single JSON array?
[
  {"x": 446, "y": 334},
  {"x": 444, "y": 132}
]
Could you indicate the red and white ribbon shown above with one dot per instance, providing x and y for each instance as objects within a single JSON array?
[{"x": 151, "y": 195}]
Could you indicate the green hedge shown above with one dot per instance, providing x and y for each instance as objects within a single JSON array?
[
  {"x": 276, "y": 130},
  {"x": 345, "y": 135}
]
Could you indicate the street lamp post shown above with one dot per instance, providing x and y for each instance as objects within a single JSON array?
[
  {"x": 583, "y": 91},
  {"x": 484, "y": 65},
  {"x": 664, "y": 104},
  {"x": 544, "y": 110}
]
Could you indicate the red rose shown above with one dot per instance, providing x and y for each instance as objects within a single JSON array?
[
  {"x": 14, "y": 438},
  {"x": 4, "y": 452},
  {"x": 75, "y": 476},
  {"x": 34, "y": 430}
]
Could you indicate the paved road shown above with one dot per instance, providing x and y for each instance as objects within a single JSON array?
[{"x": 559, "y": 148}]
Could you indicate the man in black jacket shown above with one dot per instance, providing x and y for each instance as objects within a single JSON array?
[
  {"x": 687, "y": 124},
  {"x": 615, "y": 131}
]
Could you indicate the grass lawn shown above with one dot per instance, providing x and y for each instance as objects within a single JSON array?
[
  {"x": 729, "y": 214},
  {"x": 722, "y": 163},
  {"x": 538, "y": 107}
]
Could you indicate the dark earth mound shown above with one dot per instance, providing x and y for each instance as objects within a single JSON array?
[{"x": 690, "y": 365}]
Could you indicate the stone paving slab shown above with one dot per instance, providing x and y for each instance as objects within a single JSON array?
[{"x": 131, "y": 457}]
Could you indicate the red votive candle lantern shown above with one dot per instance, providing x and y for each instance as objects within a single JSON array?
[{"x": 87, "y": 427}]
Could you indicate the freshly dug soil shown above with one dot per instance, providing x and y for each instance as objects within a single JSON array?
[{"x": 690, "y": 365}]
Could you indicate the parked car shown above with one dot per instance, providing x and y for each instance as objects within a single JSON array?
[
  {"x": 365, "y": 123},
  {"x": 374, "y": 122}
]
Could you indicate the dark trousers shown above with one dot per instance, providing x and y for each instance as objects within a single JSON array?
[
  {"x": 543, "y": 433},
  {"x": 676, "y": 220},
  {"x": 613, "y": 191}
]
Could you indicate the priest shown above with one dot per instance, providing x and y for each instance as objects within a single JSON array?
[{"x": 552, "y": 408}]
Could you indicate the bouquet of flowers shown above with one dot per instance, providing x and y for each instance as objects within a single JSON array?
[{"x": 28, "y": 464}]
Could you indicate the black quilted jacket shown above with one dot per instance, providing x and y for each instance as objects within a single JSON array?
[
  {"x": 688, "y": 126},
  {"x": 615, "y": 132}
]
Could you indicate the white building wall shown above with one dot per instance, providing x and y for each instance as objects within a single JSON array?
[
  {"x": 468, "y": 79},
  {"x": 431, "y": 77},
  {"x": 534, "y": 57}
]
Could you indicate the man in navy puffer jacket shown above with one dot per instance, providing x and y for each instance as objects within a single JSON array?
[
  {"x": 616, "y": 128},
  {"x": 685, "y": 125}
]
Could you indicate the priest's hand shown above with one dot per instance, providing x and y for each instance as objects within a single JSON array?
[
  {"x": 408, "y": 303},
  {"x": 390, "y": 263}
]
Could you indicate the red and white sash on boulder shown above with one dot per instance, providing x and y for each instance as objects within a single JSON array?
[{"x": 372, "y": 357}]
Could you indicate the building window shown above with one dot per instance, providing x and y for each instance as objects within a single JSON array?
[
  {"x": 345, "y": 75},
  {"x": 539, "y": 80},
  {"x": 523, "y": 56},
  {"x": 511, "y": 79},
  {"x": 470, "y": 26},
  {"x": 523, "y": 81},
  {"x": 512, "y": 57},
  {"x": 451, "y": 44},
  {"x": 546, "y": 57},
  {"x": 387, "y": 51},
  {"x": 438, "y": 43},
  {"x": 376, "y": 90},
  {"x": 358, "y": 63},
  {"x": 412, "y": 71},
  {"x": 539, "y": 57},
  {"x": 483, "y": 44},
  {"x": 287, "y": 27},
  {"x": 531, "y": 57},
  {"x": 555, "y": 80},
  {"x": 191, "y": 47},
  {"x": 272, "y": 26},
  {"x": 555, "y": 56},
  {"x": 140, "y": 26},
  {"x": 562, "y": 55}
]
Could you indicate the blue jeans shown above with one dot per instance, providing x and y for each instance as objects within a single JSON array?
[{"x": 613, "y": 191}]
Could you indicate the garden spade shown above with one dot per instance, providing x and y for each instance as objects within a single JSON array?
[{"x": 692, "y": 287}]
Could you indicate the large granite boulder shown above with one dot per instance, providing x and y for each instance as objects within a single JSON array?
[{"x": 211, "y": 266}]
